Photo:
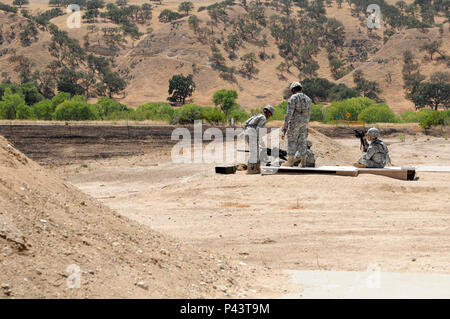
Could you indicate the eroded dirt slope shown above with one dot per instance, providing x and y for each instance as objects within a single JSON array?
[{"x": 46, "y": 225}]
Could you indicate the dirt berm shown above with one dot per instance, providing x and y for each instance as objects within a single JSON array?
[{"x": 49, "y": 228}]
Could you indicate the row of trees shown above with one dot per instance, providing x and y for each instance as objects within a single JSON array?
[
  {"x": 167, "y": 15},
  {"x": 120, "y": 14},
  {"x": 403, "y": 15},
  {"x": 73, "y": 70},
  {"x": 25, "y": 102}
]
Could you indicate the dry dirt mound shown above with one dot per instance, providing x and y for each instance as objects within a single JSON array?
[
  {"x": 328, "y": 151},
  {"x": 47, "y": 225}
]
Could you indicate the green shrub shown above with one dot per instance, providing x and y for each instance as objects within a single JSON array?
[
  {"x": 79, "y": 98},
  {"x": 378, "y": 113},
  {"x": 339, "y": 110},
  {"x": 434, "y": 118},
  {"x": 156, "y": 111},
  {"x": 8, "y": 8},
  {"x": 43, "y": 110},
  {"x": 280, "y": 112},
  {"x": 31, "y": 93},
  {"x": 414, "y": 116},
  {"x": 323, "y": 89},
  {"x": 316, "y": 113},
  {"x": 76, "y": 110},
  {"x": 59, "y": 98},
  {"x": 212, "y": 115},
  {"x": 188, "y": 113},
  {"x": 108, "y": 106},
  {"x": 239, "y": 115},
  {"x": 23, "y": 112},
  {"x": 10, "y": 104},
  {"x": 121, "y": 115}
]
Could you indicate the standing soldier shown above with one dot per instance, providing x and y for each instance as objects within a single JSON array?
[
  {"x": 296, "y": 124},
  {"x": 253, "y": 136}
]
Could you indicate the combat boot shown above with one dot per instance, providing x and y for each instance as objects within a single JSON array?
[
  {"x": 290, "y": 162},
  {"x": 254, "y": 168},
  {"x": 359, "y": 165},
  {"x": 302, "y": 162}
]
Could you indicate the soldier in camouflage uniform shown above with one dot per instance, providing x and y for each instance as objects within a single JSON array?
[
  {"x": 253, "y": 136},
  {"x": 310, "y": 158},
  {"x": 377, "y": 154},
  {"x": 296, "y": 124}
]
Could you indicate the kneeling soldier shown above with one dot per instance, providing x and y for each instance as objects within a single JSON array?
[{"x": 377, "y": 154}]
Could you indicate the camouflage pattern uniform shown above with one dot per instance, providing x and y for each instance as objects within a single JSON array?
[
  {"x": 252, "y": 134},
  {"x": 297, "y": 118},
  {"x": 310, "y": 159},
  {"x": 376, "y": 155}
]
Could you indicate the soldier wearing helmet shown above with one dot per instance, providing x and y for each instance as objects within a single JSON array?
[
  {"x": 252, "y": 135},
  {"x": 296, "y": 125},
  {"x": 377, "y": 154}
]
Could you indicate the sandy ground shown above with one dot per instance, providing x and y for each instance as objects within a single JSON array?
[
  {"x": 280, "y": 223},
  {"x": 57, "y": 242}
]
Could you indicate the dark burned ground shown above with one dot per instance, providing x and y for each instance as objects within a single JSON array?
[
  {"x": 66, "y": 144},
  {"x": 59, "y": 144}
]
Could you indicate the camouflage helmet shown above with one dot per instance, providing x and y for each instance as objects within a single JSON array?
[
  {"x": 373, "y": 132},
  {"x": 308, "y": 143},
  {"x": 269, "y": 108},
  {"x": 295, "y": 84}
]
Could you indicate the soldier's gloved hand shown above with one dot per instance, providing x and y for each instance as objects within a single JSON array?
[{"x": 283, "y": 132}]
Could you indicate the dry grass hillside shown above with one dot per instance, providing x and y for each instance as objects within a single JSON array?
[
  {"x": 388, "y": 61},
  {"x": 173, "y": 48}
]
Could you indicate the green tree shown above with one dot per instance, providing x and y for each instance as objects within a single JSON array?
[
  {"x": 30, "y": 93},
  {"x": 194, "y": 22},
  {"x": 186, "y": 6},
  {"x": 335, "y": 32},
  {"x": 69, "y": 82},
  {"x": 433, "y": 95},
  {"x": 108, "y": 106},
  {"x": 43, "y": 110},
  {"x": 168, "y": 15},
  {"x": 10, "y": 104},
  {"x": 248, "y": 64},
  {"x": 121, "y": 3},
  {"x": 401, "y": 5},
  {"x": 226, "y": 100},
  {"x": 432, "y": 48},
  {"x": 45, "y": 83},
  {"x": 113, "y": 83},
  {"x": 181, "y": 87},
  {"x": 378, "y": 113},
  {"x": 20, "y": 3},
  {"x": 95, "y": 4},
  {"x": 145, "y": 13},
  {"x": 76, "y": 110},
  {"x": 367, "y": 88},
  {"x": 28, "y": 34}
]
